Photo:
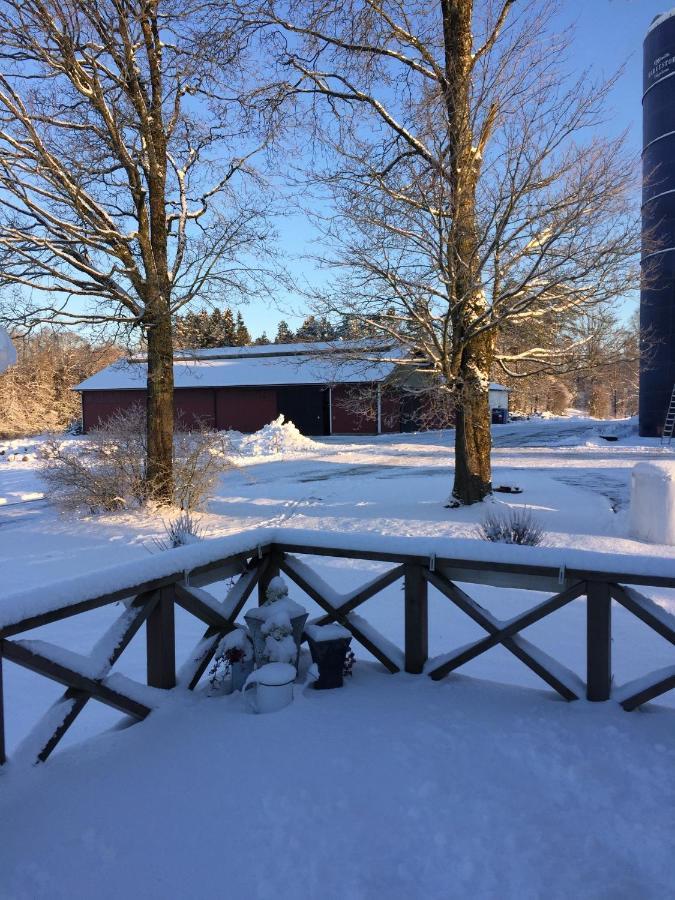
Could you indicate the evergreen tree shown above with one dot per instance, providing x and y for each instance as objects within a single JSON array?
[
  {"x": 313, "y": 329},
  {"x": 284, "y": 334},
  {"x": 204, "y": 330},
  {"x": 229, "y": 334},
  {"x": 242, "y": 337},
  {"x": 216, "y": 329}
]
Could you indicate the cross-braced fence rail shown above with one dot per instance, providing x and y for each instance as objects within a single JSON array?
[{"x": 152, "y": 603}]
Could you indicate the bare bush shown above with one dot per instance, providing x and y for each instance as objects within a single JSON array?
[
  {"x": 518, "y": 526},
  {"x": 82, "y": 479},
  {"x": 180, "y": 531},
  {"x": 199, "y": 458},
  {"x": 109, "y": 472}
]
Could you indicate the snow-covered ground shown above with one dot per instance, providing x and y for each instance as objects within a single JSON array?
[
  {"x": 395, "y": 787},
  {"x": 484, "y": 785},
  {"x": 576, "y": 484}
]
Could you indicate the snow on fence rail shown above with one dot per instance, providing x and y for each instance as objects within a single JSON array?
[{"x": 151, "y": 589}]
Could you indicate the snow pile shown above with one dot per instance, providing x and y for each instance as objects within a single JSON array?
[
  {"x": 652, "y": 502},
  {"x": 278, "y": 437}
]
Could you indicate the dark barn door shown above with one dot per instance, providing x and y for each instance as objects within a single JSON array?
[
  {"x": 410, "y": 414},
  {"x": 306, "y": 407}
]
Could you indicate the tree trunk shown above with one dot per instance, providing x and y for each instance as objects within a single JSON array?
[
  {"x": 473, "y": 439},
  {"x": 472, "y": 446},
  {"x": 472, "y": 353},
  {"x": 160, "y": 409}
]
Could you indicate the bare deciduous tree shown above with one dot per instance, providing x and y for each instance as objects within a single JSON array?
[
  {"x": 36, "y": 394},
  {"x": 125, "y": 184},
  {"x": 470, "y": 183},
  {"x": 600, "y": 348}
]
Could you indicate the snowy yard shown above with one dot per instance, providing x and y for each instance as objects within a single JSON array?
[
  {"x": 485, "y": 784},
  {"x": 574, "y": 482}
]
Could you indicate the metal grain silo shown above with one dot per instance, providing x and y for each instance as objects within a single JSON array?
[{"x": 657, "y": 301}]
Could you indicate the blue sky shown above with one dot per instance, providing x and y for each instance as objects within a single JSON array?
[{"x": 609, "y": 34}]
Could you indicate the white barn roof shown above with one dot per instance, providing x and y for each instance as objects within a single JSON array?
[
  {"x": 267, "y": 365},
  {"x": 273, "y": 365}
]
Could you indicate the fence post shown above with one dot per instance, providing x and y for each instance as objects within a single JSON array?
[
  {"x": 272, "y": 570},
  {"x": 598, "y": 641},
  {"x": 161, "y": 641},
  {"x": 3, "y": 758},
  {"x": 416, "y": 620}
]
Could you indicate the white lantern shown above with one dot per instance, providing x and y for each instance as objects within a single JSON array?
[{"x": 7, "y": 351}]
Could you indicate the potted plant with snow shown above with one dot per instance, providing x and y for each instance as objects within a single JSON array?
[
  {"x": 233, "y": 660},
  {"x": 328, "y": 645},
  {"x": 276, "y": 625}
]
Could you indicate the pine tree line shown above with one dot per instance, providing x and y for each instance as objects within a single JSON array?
[
  {"x": 320, "y": 328},
  {"x": 223, "y": 328},
  {"x": 219, "y": 328}
]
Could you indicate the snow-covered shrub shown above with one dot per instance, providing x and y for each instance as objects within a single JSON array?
[
  {"x": 183, "y": 529},
  {"x": 235, "y": 647},
  {"x": 276, "y": 437},
  {"x": 518, "y": 526},
  {"x": 108, "y": 471}
]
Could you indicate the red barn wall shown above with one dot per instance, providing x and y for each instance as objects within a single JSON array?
[
  {"x": 195, "y": 406},
  {"x": 245, "y": 409},
  {"x": 390, "y": 406},
  {"x": 191, "y": 406},
  {"x": 98, "y": 406},
  {"x": 239, "y": 408},
  {"x": 348, "y": 420}
]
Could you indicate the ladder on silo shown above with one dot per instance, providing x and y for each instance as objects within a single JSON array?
[{"x": 669, "y": 424}]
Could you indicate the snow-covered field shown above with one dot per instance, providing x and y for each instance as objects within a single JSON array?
[{"x": 484, "y": 785}]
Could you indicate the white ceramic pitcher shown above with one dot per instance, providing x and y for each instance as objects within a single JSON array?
[{"x": 273, "y": 685}]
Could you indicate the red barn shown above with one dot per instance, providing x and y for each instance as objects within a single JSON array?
[{"x": 244, "y": 388}]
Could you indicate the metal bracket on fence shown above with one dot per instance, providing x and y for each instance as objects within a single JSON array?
[
  {"x": 260, "y": 553},
  {"x": 432, "y": 562},
  {"x": 186, "y": 578},
  {"x": 561, "y": 574}
]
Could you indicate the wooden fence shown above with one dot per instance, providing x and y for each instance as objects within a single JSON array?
[{"x": 152, "y": 604}]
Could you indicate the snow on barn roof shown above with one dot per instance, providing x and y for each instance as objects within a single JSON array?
[
  {"x": 314, "y": 348},
  {"x": 273, "y": 365}
]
